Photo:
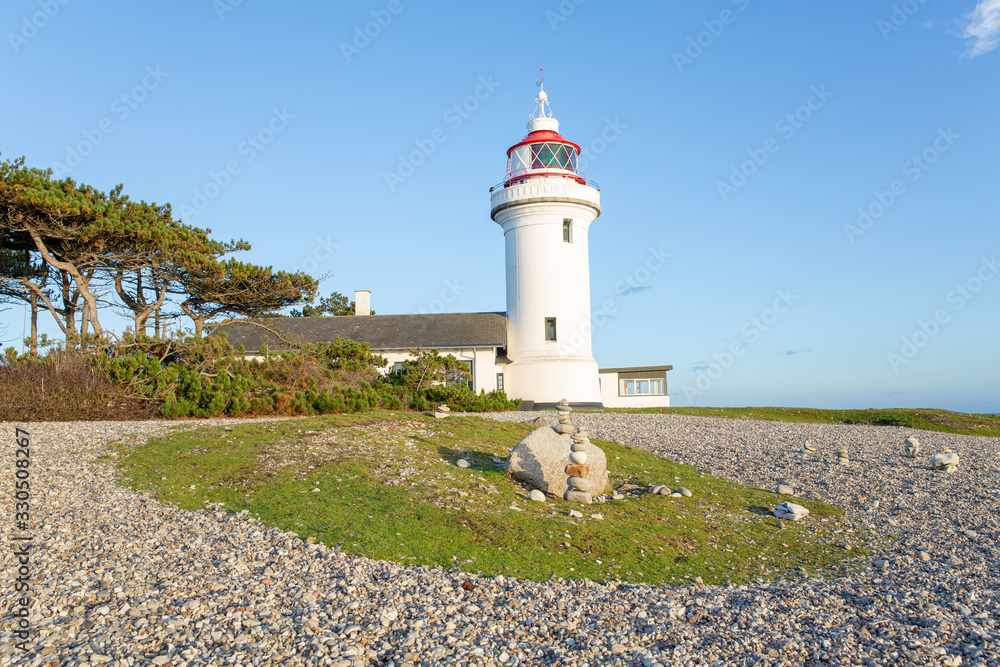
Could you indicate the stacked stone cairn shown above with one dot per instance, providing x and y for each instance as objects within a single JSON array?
[
  {"x": 842, "y": 457},
  {"x": 912, "y": 447},
  {"x": 808, "y": 448},
  {"x": 442, "y": 411},
  {"x": 580, "y": 488}
]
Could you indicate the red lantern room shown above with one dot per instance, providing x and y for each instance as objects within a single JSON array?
[{"x": 544, "y": 152}]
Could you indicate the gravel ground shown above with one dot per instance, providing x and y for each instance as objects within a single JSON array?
[{"x": 119, "y": 578}]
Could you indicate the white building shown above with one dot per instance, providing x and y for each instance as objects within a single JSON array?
[{"x": 540, "y": 349}]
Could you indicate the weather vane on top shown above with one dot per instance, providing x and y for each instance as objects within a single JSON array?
[{"x": 543, "y": 99}]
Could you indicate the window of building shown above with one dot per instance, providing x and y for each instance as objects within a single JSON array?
[
  {"x": 499, "y": 381},
  {"x": 455, "y": 379},
  {"x": 568, "y": 230},
  {"x": 398, "y": 367},
  {"x": 550, "y": 328},
  {"x": 643, "y": 387}
]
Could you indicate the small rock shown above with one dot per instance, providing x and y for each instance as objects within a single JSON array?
[
  {"x": 946, "y": 460},
  {"x": 790, "y": 511},
  {"x": 575, "y": 514},
  {"x": 685, "y": 492},
  {"x": 617, "y": 649},
  {"x": 599, "y": 517},
  {"x": 675, "y": 495},
  {"x": 583, "y": 497},
  {"x": 618, "y": 496},
  {"x": 462, "y": 463},
  {"x": 924, "y": 556},
  {"x": 911, "y": 447},
  {"x": 784, "y": 490},
  {"x": 699, "y": 580},
  {"x": 537, "y": 496}
]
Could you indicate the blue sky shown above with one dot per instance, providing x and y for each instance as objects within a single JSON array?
[{"x": 821, "y": 175}]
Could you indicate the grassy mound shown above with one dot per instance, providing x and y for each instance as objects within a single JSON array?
[
  {"x": 924, "y": 419},
  {"x": 385, "y": 485}
]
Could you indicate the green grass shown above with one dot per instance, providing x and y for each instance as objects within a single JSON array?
[
  {"x": 389, "y": 489},
  {"x": 925, "y": 419}
]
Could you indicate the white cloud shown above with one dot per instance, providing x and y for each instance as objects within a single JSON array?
[{"x": 983, "y": 27}]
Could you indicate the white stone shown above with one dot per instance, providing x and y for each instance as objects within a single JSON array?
[
  {"x": 946, "y": 460},
  {"x": 580, "y": 484},
  {"x": 790, "y": 511},
  {"x": 578, "y": 457},
  {"x": 618, "y": 496},
  {"x": 537, "y": 496},
  {"x": 685, "y": 492},
  {"x": 575, "y": 514},
  {"x": 784, "y": 490},
  {"x": 462, "y": 463}
]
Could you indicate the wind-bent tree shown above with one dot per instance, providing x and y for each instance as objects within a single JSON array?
[
  {"x": 236, "y": 288},
  {"x": 65, "y": 223},
  {"x": 151, "y": 252}
]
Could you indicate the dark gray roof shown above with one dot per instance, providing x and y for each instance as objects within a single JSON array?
[{"x": 381, "y": 332}]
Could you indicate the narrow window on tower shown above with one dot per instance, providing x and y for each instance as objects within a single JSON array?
[
  {"x": 550, "y": 328},
  {"x": 499, "y": 381},
  {"x": 568, "y": 230}
]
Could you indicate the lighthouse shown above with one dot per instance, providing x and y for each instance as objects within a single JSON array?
[{"x": 545, "y": 207}]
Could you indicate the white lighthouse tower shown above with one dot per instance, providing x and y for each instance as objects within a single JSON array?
[{"x": 545, "y": 207}]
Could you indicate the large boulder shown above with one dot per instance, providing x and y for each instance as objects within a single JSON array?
[{"x": 540, "y": 461}]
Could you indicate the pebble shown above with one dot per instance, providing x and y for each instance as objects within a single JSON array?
[
  {"x": 462, "y": 463},
  {"x": 274, "y": 599},
  {"x": 537, "y": 496},
  {"x": 575, "y": 514},
  {"x": 685, "y": 492},
  {"x": 784, "y": 490}
]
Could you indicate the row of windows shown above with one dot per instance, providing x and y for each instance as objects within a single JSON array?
[{"x": 650, "y": 387}]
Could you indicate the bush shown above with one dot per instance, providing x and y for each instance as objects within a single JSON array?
[
  {"x": 64, "y": 386},
  {"x": 207, "y": 377}
]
